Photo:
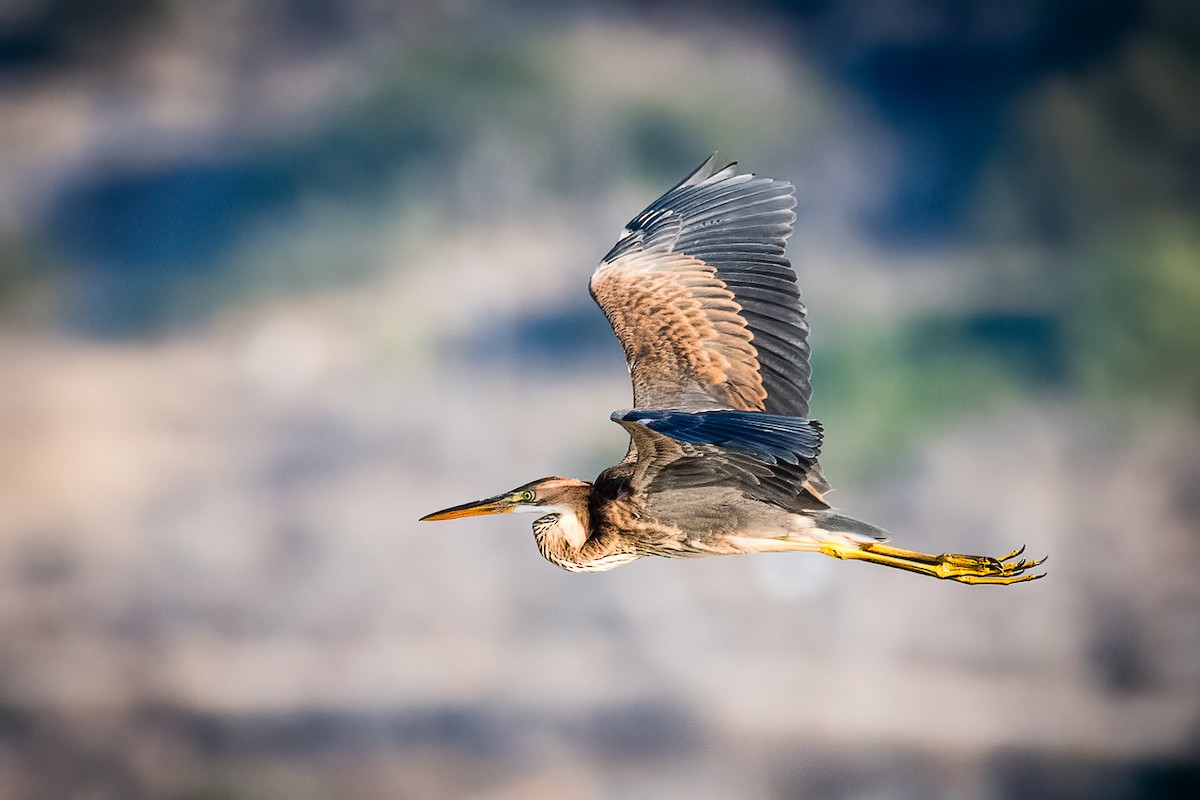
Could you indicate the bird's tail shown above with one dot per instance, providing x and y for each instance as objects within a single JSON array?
[{"x": 856, "y": 529}]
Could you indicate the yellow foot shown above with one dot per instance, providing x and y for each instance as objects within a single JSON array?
[{"x": 951, "y": 566}]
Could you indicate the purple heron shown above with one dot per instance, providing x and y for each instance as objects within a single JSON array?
[{"x": 722, "y": 456}]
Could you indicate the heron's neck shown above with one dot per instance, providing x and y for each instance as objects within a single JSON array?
[
  {"x": 563, "y": 533},
  {"x": 568, "y": 520},
  {"x": 572, "y": 538},
  {"x": 565, "y": 526}
]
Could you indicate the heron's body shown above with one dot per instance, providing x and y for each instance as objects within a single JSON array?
[{"x": 722, "y": 457}]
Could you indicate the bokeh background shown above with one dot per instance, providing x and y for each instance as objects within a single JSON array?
[{"x": 278, "y": 277}]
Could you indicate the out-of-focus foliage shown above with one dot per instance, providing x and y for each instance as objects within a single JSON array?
[
  {"x": 479, "y": 130},
  {"x": 883, "y": 391},
  {"x": 1137, "y": 326},
  {"x": 1103, "y": 172}
]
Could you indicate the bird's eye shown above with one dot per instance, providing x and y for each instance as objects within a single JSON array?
[{"x": 527, "y": 496}]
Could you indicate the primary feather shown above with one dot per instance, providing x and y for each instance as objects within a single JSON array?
[{"x": 704, "y": 301}]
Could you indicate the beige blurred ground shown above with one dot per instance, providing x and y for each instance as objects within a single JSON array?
[
  {"x": 224, "y": 524},
  {"x": 213, "y": 584}
]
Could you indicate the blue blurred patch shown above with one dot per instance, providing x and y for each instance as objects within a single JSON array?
[
  {"x": 1031, "y": 345},
  {"x": 578, "y": 332},
  {"x": 177, "y": 219},
  {"x": 948, "y": 98}
]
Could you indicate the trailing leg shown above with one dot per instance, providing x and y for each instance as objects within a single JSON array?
[{"x": 949, "y": 566}]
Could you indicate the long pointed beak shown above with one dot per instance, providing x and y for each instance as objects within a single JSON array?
[{"x": 501, "y": 504}]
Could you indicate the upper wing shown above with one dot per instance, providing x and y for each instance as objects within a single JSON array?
[
  {"x": 703, "y": 300},
  {"x": 767, "y": 457}
]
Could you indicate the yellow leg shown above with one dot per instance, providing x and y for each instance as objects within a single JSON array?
[{"x": 951, "y": 566}]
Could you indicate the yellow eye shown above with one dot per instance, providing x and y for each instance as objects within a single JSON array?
[{"x": 527, "y": 496}]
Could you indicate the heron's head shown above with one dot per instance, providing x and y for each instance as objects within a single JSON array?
[{"x": 547, "y": 494}]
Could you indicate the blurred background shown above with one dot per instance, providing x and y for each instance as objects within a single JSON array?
[{"x": 278, "y": 277}]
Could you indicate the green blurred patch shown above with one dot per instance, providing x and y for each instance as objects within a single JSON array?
[
  {"x": 660, "y": 137},
  {"x": 880, "y": 392},
  {"x": 26, "y": 280},
  {"x": 20, "y": 266},
  {"x": 240, "y": 781},
  {"x": 1099, "y": 175},
  {"x": 1136, "y": 320}
]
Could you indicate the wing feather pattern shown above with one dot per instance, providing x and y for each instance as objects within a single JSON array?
[
  {"x": 703, "y": 300},
  {"x": 767, "y": 457}
]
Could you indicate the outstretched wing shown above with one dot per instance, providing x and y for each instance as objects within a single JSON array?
[
  {"x": 767, "y": 457},
  {"x": 703, "y": 300}
]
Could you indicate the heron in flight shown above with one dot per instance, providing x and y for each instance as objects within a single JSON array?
[{"x": 722, "y": 456}]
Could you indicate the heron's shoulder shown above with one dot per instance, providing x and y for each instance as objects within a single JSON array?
[{"x": 613, "y": 482}]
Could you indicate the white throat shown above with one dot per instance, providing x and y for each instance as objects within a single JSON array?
[{"x": 567, "y": 523}]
